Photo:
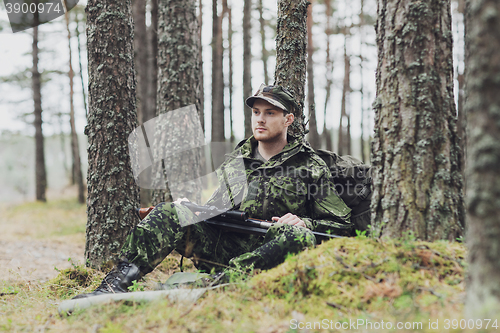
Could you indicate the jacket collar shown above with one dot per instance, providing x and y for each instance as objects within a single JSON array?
[{"x": 294, "y": 146}]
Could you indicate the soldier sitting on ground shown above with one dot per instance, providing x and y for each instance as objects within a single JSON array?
[{"x": 286, "y": 183}]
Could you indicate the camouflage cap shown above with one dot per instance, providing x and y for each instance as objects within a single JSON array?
[{"x": 276, "y": 95}]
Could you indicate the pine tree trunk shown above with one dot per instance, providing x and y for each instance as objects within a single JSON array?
[
  {"x": 152, "y": 36},
  {"x": 326, "y": 136},
  {"x": 230, "y": 60},
  {"x": 202, "y": 79},
  {"x": 345, "y": 132},
  {"x": 112, "y": 192},
  {"x": 179, "y": 86},
  {"x": 313, "y": 135},
  {"x": 291, "y": 54},
  {"x": 77, "y": 33},
  {"x": 141, "y": 58},
  {"x": 482, "y": 109},
  {"x": 265, "y": 53},
  {"x": 416, "y": 153},
  {"x": 217, "y": 77},
  {"x": 40, "y": 173},
  {"x": 141, "y": 62},
  {"x": 247, "y": 63},
  {"x": 75, "y": 147},
  {"x": 361, "y": 91}
]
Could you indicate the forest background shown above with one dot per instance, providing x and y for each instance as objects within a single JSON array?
[
  {"x": 343, "y": 42},
  {"x": 341, "y": 78}
]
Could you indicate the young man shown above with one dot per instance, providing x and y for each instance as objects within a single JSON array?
[{"x": 283, "y": 180}]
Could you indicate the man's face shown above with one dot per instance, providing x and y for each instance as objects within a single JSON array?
[{"x": 269, "y": 123}]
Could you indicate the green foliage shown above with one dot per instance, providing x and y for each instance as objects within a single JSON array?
[
  {"x": 361, "y": 234},
  {"x": 136, "y": 286}
]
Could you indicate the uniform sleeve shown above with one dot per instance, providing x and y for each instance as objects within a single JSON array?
[{"x": 328, "y": 212}]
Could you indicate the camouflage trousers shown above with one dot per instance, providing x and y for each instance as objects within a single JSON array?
[{"x": 210, "y": 247}]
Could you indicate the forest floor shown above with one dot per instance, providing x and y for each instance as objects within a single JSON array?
[
  {"x": 38, "y": 239},
  {"x": 342, "y": 285}
]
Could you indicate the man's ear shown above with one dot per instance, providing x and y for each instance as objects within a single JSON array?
[{"x": 289, "y": 119}]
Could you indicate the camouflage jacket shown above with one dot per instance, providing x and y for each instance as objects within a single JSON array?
[{"x": 295, "y": 181}]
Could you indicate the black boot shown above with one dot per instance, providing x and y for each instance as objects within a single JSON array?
[{"x": 117, "y": 281}]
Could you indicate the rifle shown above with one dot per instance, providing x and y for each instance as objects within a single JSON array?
[{"x": 231, "y": 220}]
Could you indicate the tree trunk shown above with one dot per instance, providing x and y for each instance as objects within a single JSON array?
[
  {"x": 361, "y": 92},
  {"x": 345, "y": 132},
  {"x": 179, "y": 86},
  {"x": 77, "y": 33},
  {"x": 291, "y": 53},
  {"x": 313, "y": 126},
  {"x": 112, "y": 192},
  {"x": 247, "y": 63},
  {"x": 141, "y": 62},
  {"x": 327, "y": 138},
  {"x": 482, "y": 68},
  {"x": 217, "y": 77},
  {"x": 40, "y": 173},
  {"x": 202, "y": 80},
  {"x": 265, "y": 53},
  {"x": 152, "y": 35},
  {"x": 227, "y": 10},
  {"x": 416, "y": 153},
  {"x": 75, "y": 147},
  {"x": 141, "y": 58}
]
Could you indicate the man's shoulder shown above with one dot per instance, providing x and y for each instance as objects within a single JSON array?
[{"x": 308, "y": 157}]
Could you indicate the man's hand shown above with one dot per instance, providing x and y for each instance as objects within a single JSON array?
[{"x": 289, "y": 219}]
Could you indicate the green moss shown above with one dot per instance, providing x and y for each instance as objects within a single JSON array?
[
  {"x": 74, "y": 281},
  {"x": 366, "y": 275}
]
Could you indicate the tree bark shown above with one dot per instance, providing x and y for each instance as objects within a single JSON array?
[
  {"x": 313, "y": 126},
  {"x": 75, "y": 147},
  {"x": 141, "y": 58},
  {"x": 179, "y": 86},
  {"x": 247, "y": 63},
  {"x": 112, "y": 192},
  {"x": 482, "y": 109},
  {"x": 77, "y": 33},
  {"x": 152, "y": 36},
  {"x": 416, "y": 153},
  {"x": 345, "y": 132},
  {"x": 40, "y": 172},
  {"x": 202, "y": 79},
  {"x": 217, "y": 77},
  {"x": 227, "y": 11},
  {"x": 141, "y": 62},
  {"x": 265, "y": 53},
  {"x": 291, "y": 54},
  {"x": 327, "y": 137},
  {"x": 361, "y": 90}
]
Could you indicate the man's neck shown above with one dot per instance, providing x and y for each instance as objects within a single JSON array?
[{"x": 269, "y": 149}]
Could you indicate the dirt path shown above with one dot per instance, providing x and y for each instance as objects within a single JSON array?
[{"x": 36, "y": 260}]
